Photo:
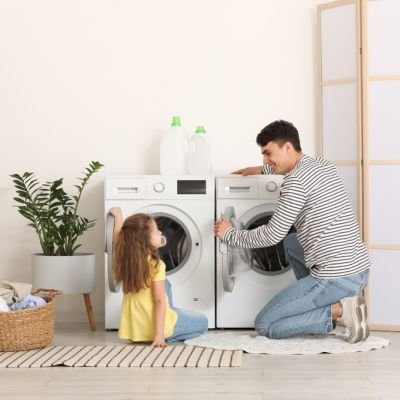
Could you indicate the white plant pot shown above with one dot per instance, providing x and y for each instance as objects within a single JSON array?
[{"x": 71, "y": 274}]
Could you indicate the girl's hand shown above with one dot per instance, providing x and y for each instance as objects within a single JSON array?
[
  {"x": 159, "y": 341},
  {"x": 115, "y": 211}
]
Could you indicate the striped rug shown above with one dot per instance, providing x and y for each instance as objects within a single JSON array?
[{"x": 121, "y": 356}]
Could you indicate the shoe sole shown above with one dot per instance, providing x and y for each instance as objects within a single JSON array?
[
  {"x": 359, "y": 332},
  {"x": 364, "y": 325}
]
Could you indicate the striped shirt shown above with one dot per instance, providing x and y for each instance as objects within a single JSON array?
[{"x": 314, "y": 200}]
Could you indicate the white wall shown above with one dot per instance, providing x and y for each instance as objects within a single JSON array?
[{"x": 84, "y": 80}]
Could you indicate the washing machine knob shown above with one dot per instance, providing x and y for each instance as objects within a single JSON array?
[
  {"x": 159, "y": 187},
  {"x": 271, "y": 186}
]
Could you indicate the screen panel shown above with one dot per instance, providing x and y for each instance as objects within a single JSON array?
[
  {"x": 383, "y": 287},
  {"x": 383, "y": 37},
  {"x": 384, "y": 119},
  {"x": 339, "y": 59},
  {"x": 349, "y": 174},
  {"x": 384, "y": 204},
  {"x": 340, "y": 141}
]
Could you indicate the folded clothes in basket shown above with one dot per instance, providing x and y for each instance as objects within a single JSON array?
[
  {"x": 3, "y": 305},
  {"x": 28, "y": 302},
  {"x": 14, "y": 291}
]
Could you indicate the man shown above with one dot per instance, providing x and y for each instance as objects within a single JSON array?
[{"x": 334, "y": 268}]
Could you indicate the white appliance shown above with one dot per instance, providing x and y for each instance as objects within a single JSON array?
[
  {"x": 183, "y": 208},
  {"x": 247, "y": 279}
]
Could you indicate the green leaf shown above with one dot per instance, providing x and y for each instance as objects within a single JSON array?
[{"x": 52, "y": 212}]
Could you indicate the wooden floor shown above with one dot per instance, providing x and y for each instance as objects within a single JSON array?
[{"x": 368, "y": 375}]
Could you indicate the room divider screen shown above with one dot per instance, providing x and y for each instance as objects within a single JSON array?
[{"x": 360, "y": 127}]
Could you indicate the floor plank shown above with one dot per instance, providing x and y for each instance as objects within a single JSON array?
[{"x": 372, "y": 375}]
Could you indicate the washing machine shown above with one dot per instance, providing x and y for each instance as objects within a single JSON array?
[
  {"x": 183, "y": 208},
  {"x": 246, "y": 279}
]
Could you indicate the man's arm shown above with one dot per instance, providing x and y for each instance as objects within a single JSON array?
[
  {"x": 290, "y": 204},
  {"x": 249, "y": 171},
  {"x": 259, "y": 170}
]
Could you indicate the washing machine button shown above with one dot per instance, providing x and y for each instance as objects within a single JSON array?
[
  {"x": 271, "y": 186},
  {"x": 159, "y": 187}
]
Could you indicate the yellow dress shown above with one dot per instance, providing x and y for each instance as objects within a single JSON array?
[{"x": 137, "y": 312}]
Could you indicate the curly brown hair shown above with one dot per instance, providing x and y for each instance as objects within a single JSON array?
[{"x": 132, "y": 252}]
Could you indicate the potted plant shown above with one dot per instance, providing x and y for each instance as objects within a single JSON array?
[{"x": 54, "y": 215}]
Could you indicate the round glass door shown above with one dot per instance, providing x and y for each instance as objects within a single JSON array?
[
  {"x": 177, "y": 250},
  {"x": 182, "y": 252},
  {"x": 268, "y": 260}
]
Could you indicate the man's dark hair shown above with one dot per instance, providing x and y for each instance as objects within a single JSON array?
[{"x": 280, "y": 132}]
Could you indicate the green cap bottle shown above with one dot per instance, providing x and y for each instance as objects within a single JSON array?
[
  {"x": 176, "y": 121},
  {"x": 200, "y": 130}
]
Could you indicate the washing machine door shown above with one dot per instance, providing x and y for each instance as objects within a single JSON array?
[
  {"x": 182, "y": 251},
  {"x": 235, "y": 260},
  {"x": 267, "y": 260},
  {"x": 109, "y": 252}
]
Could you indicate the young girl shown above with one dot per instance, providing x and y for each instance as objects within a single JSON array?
[{"x": 147, "y": 312}]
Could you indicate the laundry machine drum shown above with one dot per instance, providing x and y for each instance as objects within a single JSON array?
[
  {"x": 268, "y": 260},
  {"x": 177, "y": 250}
]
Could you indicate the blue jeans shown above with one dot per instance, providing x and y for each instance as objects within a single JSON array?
[
  {"x": 189, "y": 324},
  {"x": 305, "y": 306}
]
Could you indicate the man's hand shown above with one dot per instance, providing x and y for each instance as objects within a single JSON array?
[
  {"x": 220, "y": 227},
  {"x": 249, "y": 171}
]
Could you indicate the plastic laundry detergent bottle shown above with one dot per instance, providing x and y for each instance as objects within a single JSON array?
[
  {"x": 173, "y": 149},
  {"x": 198, "y": 160}
]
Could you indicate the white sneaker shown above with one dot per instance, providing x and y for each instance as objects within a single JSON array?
[
  {"x": 354, "y": 318},
  {"x": 339, "y": 322}
]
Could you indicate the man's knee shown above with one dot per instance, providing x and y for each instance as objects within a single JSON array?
[{"x": 204, "y": 323}]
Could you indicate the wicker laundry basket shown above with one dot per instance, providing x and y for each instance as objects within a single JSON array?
[{"x": 32, "y": 328}]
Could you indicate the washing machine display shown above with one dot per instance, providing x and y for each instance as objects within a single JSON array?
[
  {"x": 183, "y": 208},
  {"x": 248, "y": 278}
]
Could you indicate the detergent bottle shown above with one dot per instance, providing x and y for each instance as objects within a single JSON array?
[
  {"x": 173, "y": 149},
  {"x": 198, "y": 160}
]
